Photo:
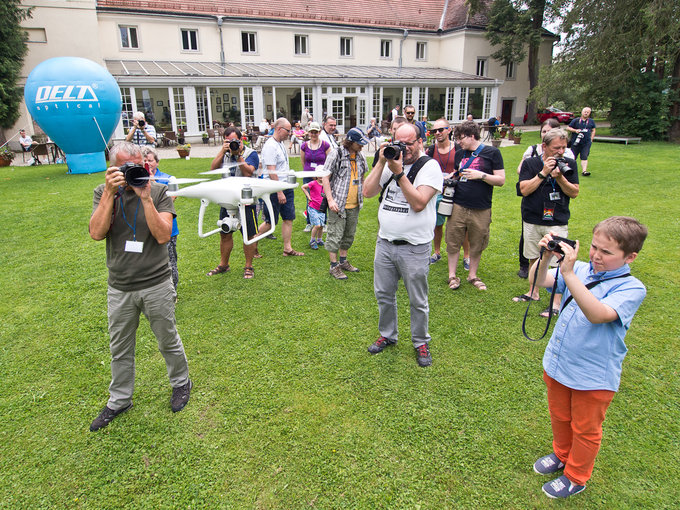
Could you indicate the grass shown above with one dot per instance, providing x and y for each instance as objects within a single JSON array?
[{"x": 288, "y": 409}]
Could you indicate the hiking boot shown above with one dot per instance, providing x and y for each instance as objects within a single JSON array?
[
  {"x": 423, "y": 356},
  {"x": 180, "y": 396},
  {"x": 346, "y": 266},
  {"x": 336, "y": 272},
  {"x": 106, "y": 416},
  {"x": 380, "y": 344},
  {"x": 548, "y": 465},
  {"x": 562, "y": 488}
]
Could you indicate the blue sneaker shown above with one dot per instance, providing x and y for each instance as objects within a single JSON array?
[
  {"x": 466, "y": 264},
  {"x": 548, "y": 465},
  {"x": 313, "y": 245},
  {"x": 319, "y": 243},
  {"x": 436, "y": 257},
  {"x": 562, "y": 488}
]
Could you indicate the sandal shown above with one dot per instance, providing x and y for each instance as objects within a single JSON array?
[
  {"x": 523, "y": 298},
  {"x": 585, "y": 173},
  {"x": 454, "y": 282},
  {"x": 219, "y": 270},
  {"x": 479, "y": 284},
  {"x": 257, "y": 255},
  {"x": 292, "y": 253},
  {"x": 248, "y": 272},
  {"x": 546, "y": 313}
]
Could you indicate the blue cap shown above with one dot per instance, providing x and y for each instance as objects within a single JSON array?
[{"x": 357, "y": 135}]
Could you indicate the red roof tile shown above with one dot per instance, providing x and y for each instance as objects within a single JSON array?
[{"x": 411, "y": 14}]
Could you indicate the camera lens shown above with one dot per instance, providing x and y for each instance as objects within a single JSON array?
[
  {"x": 135, "y": 175},
  {"x": 141, "y": 123},
  {"x": 234, "y": 145},
  {"x": 391, "y": 152}
]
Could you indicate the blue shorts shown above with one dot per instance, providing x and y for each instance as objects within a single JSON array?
[
  {"x": 583, "y": 149},
  {"x": 287, "y": 210},
  {"x": 316, "y": 218}
]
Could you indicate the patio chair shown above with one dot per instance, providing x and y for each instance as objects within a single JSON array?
[{"x": 169, "y": 138}]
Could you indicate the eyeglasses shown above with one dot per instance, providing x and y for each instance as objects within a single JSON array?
[
  {"x": 440, "y": 130},
  {"x": 286, "y": 129},
  {"x": 411, "y": 144},
  {"x": 410, "y": 113}
]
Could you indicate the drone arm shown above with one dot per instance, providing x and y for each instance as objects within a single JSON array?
[{"x": 204, "y": 206}]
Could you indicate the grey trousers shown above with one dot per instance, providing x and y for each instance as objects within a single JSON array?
[
  {"x": 411, "y": 263},
  {"x": 172, "y": 256},
  {"x": 158, "y": 305}
]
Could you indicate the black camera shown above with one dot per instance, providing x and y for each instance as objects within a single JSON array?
[
  {"x": 141, "y": 123},
  {"x": 393, "y": 150},
  {"x": 554, "y": 244},
  {"x": 563, "y": 166},
  {"x": 234, "y": 145},
  {"x": 135, "y": 175}
]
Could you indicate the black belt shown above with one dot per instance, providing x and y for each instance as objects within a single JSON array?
[{"x": 398, "y": 242}]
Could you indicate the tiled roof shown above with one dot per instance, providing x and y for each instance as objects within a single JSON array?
[
  {"x": 410, "y": 14},
  {"x": 318, "y": 73}
]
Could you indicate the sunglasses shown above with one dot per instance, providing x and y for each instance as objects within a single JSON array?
[
  {"x": 410, "y": 113},
  {"x": 440, "y": 130}
]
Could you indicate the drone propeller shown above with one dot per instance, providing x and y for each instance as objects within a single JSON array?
[
  {"x": 173, "y": 180},
  {"x": 224, "y": 170},
  {"x": 321, "y": 172}
]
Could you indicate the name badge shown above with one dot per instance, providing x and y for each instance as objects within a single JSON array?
[
  {"x": 134, "y": 246},
  {"x": 355, "y": 182},
  {"x": 313, "y": 165},
  {"x": 555, "y": 196}
]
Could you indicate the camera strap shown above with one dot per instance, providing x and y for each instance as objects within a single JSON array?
[
  {"x": 590, "y": 286},
  {"x": 412, "y": 173},
  {"x": 550, "y": 305}
]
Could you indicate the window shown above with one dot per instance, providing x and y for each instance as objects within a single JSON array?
[
  {"x": 510, "y": 70},
  {"x": 248, "y": 42},
  {"x": 345, "y": 46},
  {"x": 385, "y": 49},
  {"x": 36, "y": 35},
  {"x": 180, "y": 110},
  {"x": 248, "y": 105},
  {"x": 301, "y": 45},
  {"x": 189, "y": 39},
  {"x": 481, "y": 66},
  {"x": 126, "y": 98},
  {"x": 128, "y": 37},
  {"x": 421, "y": 50}
]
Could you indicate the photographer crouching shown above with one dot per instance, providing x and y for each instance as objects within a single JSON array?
[{"x": 135, "y": 216}]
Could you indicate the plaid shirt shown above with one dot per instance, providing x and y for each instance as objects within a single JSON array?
[{"x": 339, "y": 165}]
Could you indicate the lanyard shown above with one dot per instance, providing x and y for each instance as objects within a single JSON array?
[{"x": 133, "y": 226}]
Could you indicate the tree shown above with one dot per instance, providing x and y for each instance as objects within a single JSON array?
[
  {"x": 12, "y": 50},
  {"x": 516, "y": 27},
  {"x": 626, "y": 52}
]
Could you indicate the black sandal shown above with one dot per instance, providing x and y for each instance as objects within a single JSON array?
[{"x": 219, "y": 270}]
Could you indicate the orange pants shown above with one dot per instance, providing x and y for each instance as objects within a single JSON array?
[{"x": 576, "y": 417}]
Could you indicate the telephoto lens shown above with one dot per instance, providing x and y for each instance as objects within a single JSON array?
[
  {"x": 445, "y": 207},
  {"x": 393, "y": 150},
  {"x": 563, "y": 166}
]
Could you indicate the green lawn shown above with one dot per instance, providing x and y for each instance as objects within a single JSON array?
[{"x": 288, "y": 408}]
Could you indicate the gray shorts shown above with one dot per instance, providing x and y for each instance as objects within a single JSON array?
[{"x": 341, "y": 231}]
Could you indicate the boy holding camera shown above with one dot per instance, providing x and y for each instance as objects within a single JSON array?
[{"x": 583, "y": 359}]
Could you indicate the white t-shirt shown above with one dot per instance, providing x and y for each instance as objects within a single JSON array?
[
  {"x": 397, "y": 219},
  {"x": 328, "y": 138},
  {"x": 539, "y": 150},
  {"x": 274, "y": 153}
]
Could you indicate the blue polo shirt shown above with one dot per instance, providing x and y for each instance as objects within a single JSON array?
[
  {"x": 163, "y": 178},
  {"x": 586, "y": 356}
]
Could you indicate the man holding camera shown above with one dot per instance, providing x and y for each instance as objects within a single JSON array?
[
  {"x": 546, "y": 183},
  {"x": 136, "y": 222},
  {"x": 409, "y": 181},
  {"x": 141, "y": 133},
  {"x": 583, "y": 132},
  {"x": 237, "y": 161}
]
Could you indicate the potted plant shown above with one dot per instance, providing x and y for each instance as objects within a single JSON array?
[
  {"x": 496, "y": 141},
  {"x": 205, "y": 138},
  {"x": 180, "y": 134},
  {"x": 504, "y": 130},
  {"x": 6, "y": 156},
  {"x": 183, "y": 150},
  {"x": 517, "y": 136}
]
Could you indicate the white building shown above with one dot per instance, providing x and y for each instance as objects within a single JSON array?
[{"x": 188, "y": 64}]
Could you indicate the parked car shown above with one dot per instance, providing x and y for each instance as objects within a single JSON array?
[{"x": 552, "y": 112}]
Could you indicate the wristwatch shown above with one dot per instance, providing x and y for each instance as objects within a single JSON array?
[
  {"x": 541, "y": 176},
  {"x": 398, "y": 176}
]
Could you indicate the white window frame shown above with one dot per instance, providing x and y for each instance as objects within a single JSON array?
[
  {"x": 482, "y": 62},
  {"x": 511, "y": 71},
  {"x": 421, "y": 50},
  {"x": 252, "y": 40},
  {"x": 301, "y": 42},
  {"x": 347, "y": 47},
  {"x": 386, "y": 49},
  {"x": 129, "y": 37},
  {"x": 189, "y": 31}
]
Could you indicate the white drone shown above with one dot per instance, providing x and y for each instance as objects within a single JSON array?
[{"x": 234, "y": 193}]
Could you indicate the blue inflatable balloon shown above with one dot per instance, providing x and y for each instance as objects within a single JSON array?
[{"x": 77, "y": 103}]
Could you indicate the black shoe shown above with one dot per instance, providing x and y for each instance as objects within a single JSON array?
[
  {"x": 271, "y": 236},
  {"x": 423, "y": 356},
  {"x": 380, "y": 344},
  {"x": 180, "y": 396},
  {"x": 523, "y": 272},
  {"x": 106, "y": 416}
]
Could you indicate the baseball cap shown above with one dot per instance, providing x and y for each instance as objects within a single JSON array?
[
  {"x": 313, "y": 126},
  {"x": 357, "y": 135}
]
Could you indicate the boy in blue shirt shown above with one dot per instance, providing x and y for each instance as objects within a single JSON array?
[{"x": 582, "y": 362}]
